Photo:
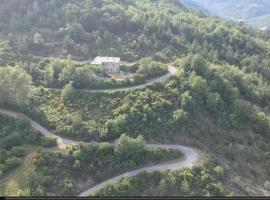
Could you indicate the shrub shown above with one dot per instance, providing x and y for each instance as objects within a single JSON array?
[
  {"x": 23, "y": 122},
  {"x": 49, "y": 141},
  {"x": 267, "y": 185},
  {"x": 18, "y": 151},
  {"x": 12, "y": 162}
]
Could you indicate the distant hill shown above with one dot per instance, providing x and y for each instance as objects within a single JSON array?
[
  {"x": 261, "y": 22},
  {"x": 254, "y": 12},
  {"x": 194, "y": 6}
]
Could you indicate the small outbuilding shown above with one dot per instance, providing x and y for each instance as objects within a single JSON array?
[{"x": 110, "y": 64}]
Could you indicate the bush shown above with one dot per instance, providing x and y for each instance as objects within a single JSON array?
[
  {"x": 129, "y": 68},
  {"x": 18, "y": 151},
  {"x": 47, "y": 181},
  {"x": 262, "y": 124},
  {"x": 131, "y": 148},
  {"x": 3, "y": 155},
  {"x": 68, "y": 92},
  {"x": 12, "y": 163},
  {"x": 267, "y": 185},
  {"x": 11, "y": 141},
  {"x": 138, "y": 79},
  {"x": 49, "y": 141},
  {"x": 23, "y": 122}
]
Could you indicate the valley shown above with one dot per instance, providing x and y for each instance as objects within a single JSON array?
[{"x": 251, "y": 12}]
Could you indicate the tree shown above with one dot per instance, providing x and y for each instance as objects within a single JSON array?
[
  {"x": 68, "y": 73},
  {"x": 180, "y": 117},
  {"x": 13, "y": 162},
  {"x": 3, "y": 155},
  {"x": 214, "y": 102},
  {"x": 49, "y": 75},
  {"x": 23, "y": 193},
  {"x": 262, "y": 124},
  {"x": 15, "y": 86},
  {"x": 68, "y": 186},
  {"x": 131, "y": 148},
  {"x": 23, "y": 123},
  {"x": 77, "y": 165},
  {"x": 99, "y": 42},
  {"x": 87, "y": 4},
  {"x": 38, "y": 39},
  {"x": 199, "y": 86},
  {"x": 187, "y": 103},
  {"x": 118, "y": 125},
  {"x": 199, "y": 65},
  {"x": 68, "y": 92},
  {"x": 68, "y": 44}
]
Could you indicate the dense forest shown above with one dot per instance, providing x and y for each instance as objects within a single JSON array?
[{"x": 219, "y": 101}]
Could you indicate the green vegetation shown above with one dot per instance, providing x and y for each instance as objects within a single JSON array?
[
  {"x": 86, "y": 165},
  {"x": 218, "y": 101},
  {"x": 16, "y": 140},
  {"x": 15, "y": 86},
  {"x": 200, "y": 103},
  {"x": 123, "y": 28},
  {"x": 205, "y": 179},
  {"x": 58, "y": 73},
  {"x": 151, "y": 69}
]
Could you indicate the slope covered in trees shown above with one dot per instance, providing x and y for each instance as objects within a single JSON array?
[
  {"x": 219, "y": 100},
  {"x": 131, "y": 29}
]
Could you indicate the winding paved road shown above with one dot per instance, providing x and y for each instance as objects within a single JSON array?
[
  {"x": 192, "y": 155},
  {"x": 61, "y": 142},
  {"x": 171, "y": 71}
]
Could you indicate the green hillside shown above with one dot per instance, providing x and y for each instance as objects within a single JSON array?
[{"x": 218, "y": 101}]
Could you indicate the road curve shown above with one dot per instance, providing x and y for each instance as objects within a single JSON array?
[
  {"x": 61, "y": 142},
  {"x": 171, "y": 71},
  {"x": 192, "y": 155}
]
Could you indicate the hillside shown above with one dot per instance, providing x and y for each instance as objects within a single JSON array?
[
  {"x": 249, "y": 11},
  {"x": 262, "y": 22},
  {"x": 217, "y": 99},
  {"x": 194, "y": 6}
]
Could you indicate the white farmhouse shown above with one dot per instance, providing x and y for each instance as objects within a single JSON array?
[{"x": 111, "y": 64}]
